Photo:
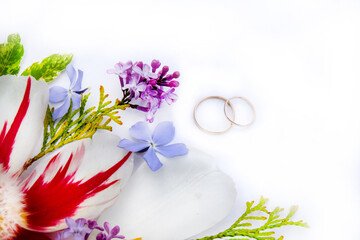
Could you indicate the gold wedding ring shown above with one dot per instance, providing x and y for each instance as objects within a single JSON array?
[
  {"x": 248, "y": 103},
  {"x": 227, "y": 103}
]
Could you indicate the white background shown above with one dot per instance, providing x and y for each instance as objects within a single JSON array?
[{"x": 297, "y": 61}]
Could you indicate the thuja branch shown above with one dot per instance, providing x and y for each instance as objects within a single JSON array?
[
  {"x": 268, "y": 221},
  {"x": 78, "y": 124}
]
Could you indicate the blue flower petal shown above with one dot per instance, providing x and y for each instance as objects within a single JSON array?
[
  {"x": 163, "y": 133},
  {"x": 62, "y": 110},
  {"x": 77, "y": 84},
  {"x": 76, "y": 100},
  {"x": 57, "y": 94},
  {"x": 152, "y": 160},
  {"x": 140, "y": 131},
  {"x": 172, "y": 150},
  {"x": 71, "y": 72},
  {"x": 133, "y": 146}
]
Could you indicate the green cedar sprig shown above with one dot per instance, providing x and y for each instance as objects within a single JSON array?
[
  {"x": 242, "y": 228},
  {"x": 78, "y": 124}
]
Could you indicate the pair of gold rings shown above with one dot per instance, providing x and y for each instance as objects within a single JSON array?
[{"x": 231, "y": 119}]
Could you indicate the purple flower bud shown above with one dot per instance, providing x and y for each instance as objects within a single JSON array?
[
  {"x": 152, "y": 82},
  {"x": 165, "y": 69},
  {"x": 92, "y": 224},
  {"x": 140, "y": 64},
  {"x": 155, "y": 64},
  {"x": 169, "y": 77},
  {"x": 176, "y": 74},
  {"x": 173, "y": 84},
  {"x": 101, "y": 236}
]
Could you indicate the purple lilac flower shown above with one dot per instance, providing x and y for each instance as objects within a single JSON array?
[
  {"x": 77, "y": 229},
  {"x": 145, "y": 72},
  {"x": 139, "y": 64},
  {"x": 151, "y": 143},
  {"x": 111, "y": 233},
  {"x": 58, "y": 236},
  {"x": 141, "y": 80},
  {"x": 148, "y": 94},
  {"x": 94, "y": 225},
  {"x": 169, "y": 96},
  {"x": 154, "y": 106},
  {"x": 122, "y": 70},
  {"x": 101, "y": 236},
  {"x": 59, "y": 94},
  {"x": 135, "y": 87}
]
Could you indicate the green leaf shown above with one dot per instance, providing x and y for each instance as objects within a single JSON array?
[
  {"x": 49, "y": 68},
  {"x": 10, "y": 55}
]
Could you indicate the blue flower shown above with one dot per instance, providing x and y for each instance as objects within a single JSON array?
[
  {"x": 59, "y": 94},
  {"x": 157, "y": 142}
]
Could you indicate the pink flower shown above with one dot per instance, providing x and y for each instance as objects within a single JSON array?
[{"x": 59, "y": 186}]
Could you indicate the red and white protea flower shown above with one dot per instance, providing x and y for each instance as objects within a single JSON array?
[{"x": 78, "y": 180}]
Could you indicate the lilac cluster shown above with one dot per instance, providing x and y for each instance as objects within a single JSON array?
[
  {"x": 144, "y": 82},
  {"x": 82, "y": 228}
]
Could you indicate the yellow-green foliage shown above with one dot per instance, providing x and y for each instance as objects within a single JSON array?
[
  {"x": 78, "y": 124},
  {"x": 243, "y": 229},
  {"x": 49, "y": 68},
  {"x": 12, "y": 51}
]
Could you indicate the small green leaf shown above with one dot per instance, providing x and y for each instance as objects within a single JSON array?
[
  {"x": 49, "y": 68},
  {"x": 10, "y": 55}
]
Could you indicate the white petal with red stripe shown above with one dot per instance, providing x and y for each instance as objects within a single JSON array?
[
  {"x": 23, "y": 105},
  {"x": 78, "y": 180}
]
